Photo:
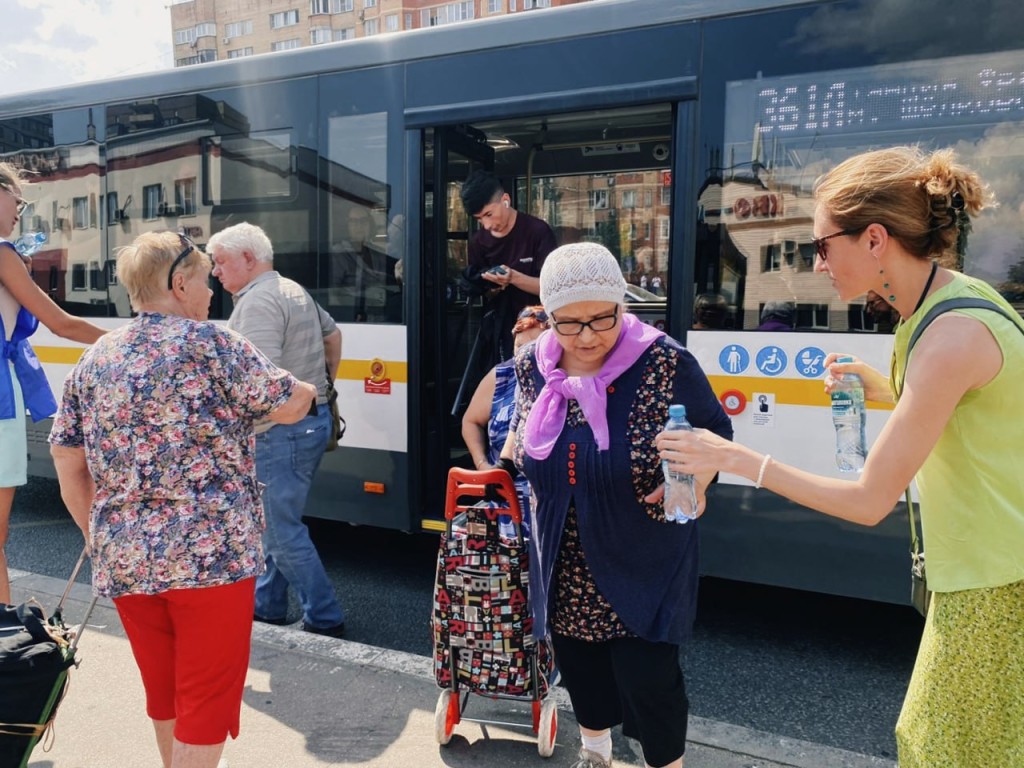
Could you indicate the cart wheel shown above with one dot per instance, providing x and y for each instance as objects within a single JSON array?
[
  {"x": 548, "y": 728},
  {"x": 446, "y": 716}
]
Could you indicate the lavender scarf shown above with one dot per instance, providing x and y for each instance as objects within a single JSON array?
[{"x": 547, "y": 417}]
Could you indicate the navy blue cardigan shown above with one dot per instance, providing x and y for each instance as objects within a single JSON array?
[{"x": 646, "y": 568}]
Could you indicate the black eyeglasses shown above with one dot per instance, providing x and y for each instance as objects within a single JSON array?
[
  {"x": 819, "y": 242},
  {"x": 189, "y": 247},
  {"x": 597, "y": 324},
  {"x": 536, "y": 314}
]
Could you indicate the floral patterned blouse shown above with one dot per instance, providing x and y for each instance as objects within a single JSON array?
[{"x": 164, "y": 408}]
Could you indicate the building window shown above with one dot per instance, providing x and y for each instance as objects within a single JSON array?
[
  {"x": 648, "y": 198},
  {"x": 369, "y": 3},
  {"x": 647, "y": 230},
  {"x": 238, "y": 53},
  {"x": 319, "y": 6},
  {"x": 284, "y": 19},
  {"x": 530, "y": 4},
  {"x": 494, "y": 6},
  {"x": 446, "y": 14},
  {"x": 78, "y": 277},
  {"x": 391, "y": 23},
  {"x": 80, "y": 212},
  {"x": 113, "y": 211},
  {"x": 152, "y": 196},
  {"x": 629, "y": 198},
  {"x": 319, "y": 35},
  {"x": 666, "y": 195},
  {"x": 345, "y": 34},
  {"x": 342, "y": 6},
  {"x": 184, "y": 36},
  {"x": 371, "y": 27},
  {"x": 408, "y": 21},
  {"x": 97, "y": 277},
  {"x": 238, "y": 28},
  {"x": 286, "y": 45},
  {"x": 185, "y": 196},
  {"x": 206, "y": 29},
  {"x": 599, "y": 199},
  {"x": 663, "y": 227}
]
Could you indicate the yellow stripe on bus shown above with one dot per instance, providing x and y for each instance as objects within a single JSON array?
[
  {"x": 58, "y": 355},
  {"x": 786, "y": 391},
  {"x": 352, "y": 370}
]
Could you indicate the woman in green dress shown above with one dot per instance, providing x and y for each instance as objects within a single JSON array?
[{"x": 884, "y": 221}]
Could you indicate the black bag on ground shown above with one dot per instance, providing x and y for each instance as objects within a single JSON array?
[{"x": 34, "y": 659}]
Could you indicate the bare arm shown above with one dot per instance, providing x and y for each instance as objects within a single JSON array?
[
  {"x": 474, "y": 420},
  {"x": 16, "y": 279},
  {"x": 295, "y": 407},
  {"x": 77, "y": 488},
  {"x": 947, "y": 363},
  {"x": 332, "y": 351}
]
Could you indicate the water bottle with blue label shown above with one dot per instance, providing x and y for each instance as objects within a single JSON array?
[
  {"x": 849, "y": 415},
  {"x": 680, "y": 490},
  {"x": 29, "y": 243}
]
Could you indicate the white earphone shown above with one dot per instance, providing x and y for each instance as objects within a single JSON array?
[{"x": 506, "y": 203}]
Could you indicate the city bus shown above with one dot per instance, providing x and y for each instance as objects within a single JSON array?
[{"x": 685, "y": 136}]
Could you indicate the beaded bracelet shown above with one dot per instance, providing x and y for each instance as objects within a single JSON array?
[{"x": 760, "y": 472}]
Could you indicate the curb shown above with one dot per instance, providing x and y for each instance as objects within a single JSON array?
[{"x": 737, "y": 739}]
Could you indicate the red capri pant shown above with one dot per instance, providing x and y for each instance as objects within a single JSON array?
[{"x": 192, "y": 648}]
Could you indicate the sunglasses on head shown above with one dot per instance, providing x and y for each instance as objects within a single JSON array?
[
  {"x": 537, "y": 314},
  {"x": 188, "y": 247}
]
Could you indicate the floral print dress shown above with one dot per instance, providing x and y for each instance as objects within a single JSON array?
[{"x": 164, "y": 408}]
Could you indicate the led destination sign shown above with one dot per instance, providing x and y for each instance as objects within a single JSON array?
[{"x": 945, "y": 92}]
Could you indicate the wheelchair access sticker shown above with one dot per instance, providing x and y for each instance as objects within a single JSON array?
[{"x": 771, "y": 361}]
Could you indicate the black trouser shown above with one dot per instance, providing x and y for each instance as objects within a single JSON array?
[{"x": 629, "y": 681}]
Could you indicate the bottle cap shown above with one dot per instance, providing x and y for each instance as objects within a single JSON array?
[
  {"x": 677, "y": 411},
  {"x": 844, "y": 359}
]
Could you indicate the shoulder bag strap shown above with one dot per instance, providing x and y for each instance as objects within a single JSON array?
[{"x": 940, "y": 308}]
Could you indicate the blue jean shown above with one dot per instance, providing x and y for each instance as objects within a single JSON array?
[{"x": 287, "y": 456}]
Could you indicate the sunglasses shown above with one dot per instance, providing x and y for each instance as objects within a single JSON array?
[
  {"x": 536, "y": 314},
  {"x": 819, "y": 242},
  {"x": 189, "y": 246},
  {"x": 21, "y": 202}
]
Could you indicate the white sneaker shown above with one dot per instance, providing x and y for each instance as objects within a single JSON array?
[{"x": 588, "y": 759}]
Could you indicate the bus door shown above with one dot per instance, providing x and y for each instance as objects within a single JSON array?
[{"x": 452, "y": 368}]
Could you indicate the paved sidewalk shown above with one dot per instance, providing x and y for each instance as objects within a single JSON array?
[{"x": 315, "y": 701}]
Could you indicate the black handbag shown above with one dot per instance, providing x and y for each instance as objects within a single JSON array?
[
  {"x": 338, "y": 424},
  {"x": 920, "y": 595}
]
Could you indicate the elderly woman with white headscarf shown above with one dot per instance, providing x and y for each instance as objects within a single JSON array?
[{"x": 615, "y": 583}]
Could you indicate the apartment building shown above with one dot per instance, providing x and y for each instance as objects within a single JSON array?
[{"x": 214, "y": 30}]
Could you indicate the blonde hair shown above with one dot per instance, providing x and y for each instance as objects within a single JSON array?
[
  {"x": 11, "y": 176},
  {"x": 925, "y": 201},
  {"x": 143, "y": 266}
]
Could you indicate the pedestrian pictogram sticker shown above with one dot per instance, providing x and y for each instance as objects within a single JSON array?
[{"x": 734, "y": 359}]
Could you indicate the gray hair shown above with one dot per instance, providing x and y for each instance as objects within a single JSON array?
[{"x": 243, "y": 237}]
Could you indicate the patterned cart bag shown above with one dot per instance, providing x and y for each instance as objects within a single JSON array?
[{"x": 482, "y": 625}]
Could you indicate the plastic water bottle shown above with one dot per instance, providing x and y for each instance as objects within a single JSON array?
[
  {"x": 29, "y": 243},
  {"x": 680, "y": 492},
  {"x": 849, "y": 416}
]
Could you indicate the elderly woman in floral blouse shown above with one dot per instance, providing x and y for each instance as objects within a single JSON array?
[{"x": 154, "y": 448}]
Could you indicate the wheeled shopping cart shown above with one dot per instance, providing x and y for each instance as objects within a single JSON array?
[
  {"x": 482, "y": 627},
  {"x": 36, "y": 656}
]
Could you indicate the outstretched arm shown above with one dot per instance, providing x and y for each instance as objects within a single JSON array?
[{"x": 956, "y": 355}]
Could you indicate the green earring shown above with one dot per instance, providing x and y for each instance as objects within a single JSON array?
[{"x": 886, "y": 287}]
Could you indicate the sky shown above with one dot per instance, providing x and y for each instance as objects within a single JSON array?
[{"x": 52, "y": 43}]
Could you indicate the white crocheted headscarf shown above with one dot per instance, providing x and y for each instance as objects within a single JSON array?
[{"x": 580, "y": 272}]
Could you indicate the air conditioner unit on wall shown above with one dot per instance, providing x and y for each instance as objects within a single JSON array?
[{"x": 226, "y": 40}]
